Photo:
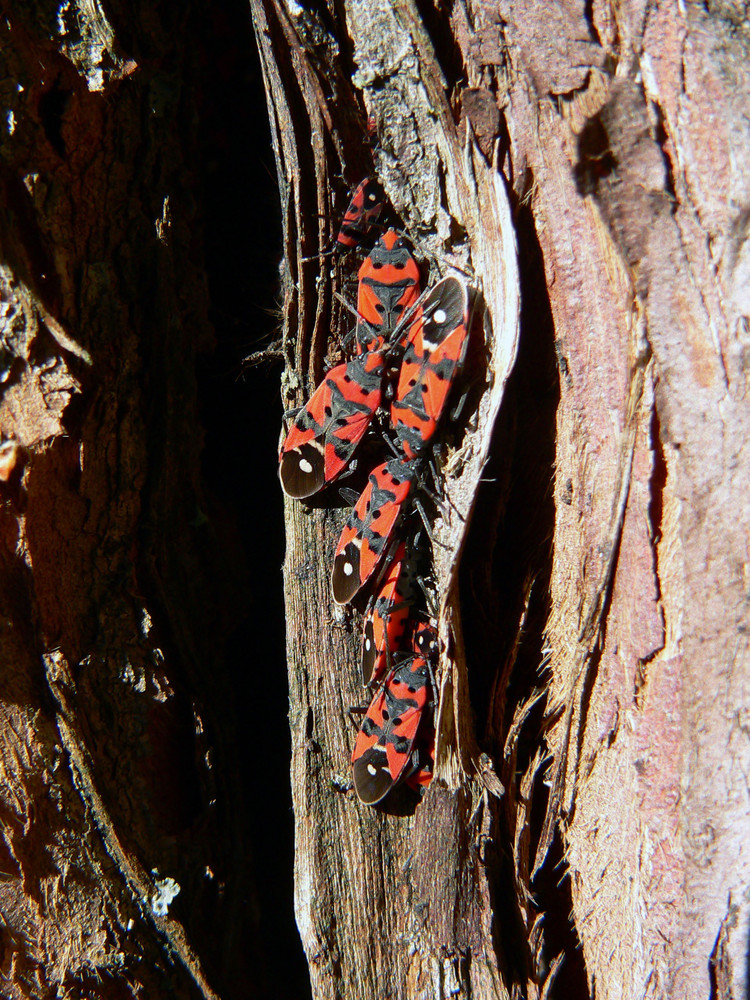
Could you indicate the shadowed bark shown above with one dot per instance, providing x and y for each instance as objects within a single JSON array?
[
  {"x": 586, "y": 832},
  {"x": 126, "y": 863}
]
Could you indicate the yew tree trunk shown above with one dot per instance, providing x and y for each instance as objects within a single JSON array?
[{"x": 586, "y": 831}]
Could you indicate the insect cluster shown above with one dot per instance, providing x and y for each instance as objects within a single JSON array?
[{"x": 408, "y": 348}]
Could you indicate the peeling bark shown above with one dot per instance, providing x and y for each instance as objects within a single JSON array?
[
  {"x": 600, "y": 583},
  {"x": 586, "y": 832}
]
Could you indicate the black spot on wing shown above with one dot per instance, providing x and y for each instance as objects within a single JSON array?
[
  {"x": 450, "y": 296},
  {"x": 372, "y": 779},
  {"x": 345, "y": 576},
  {"x": 295, "y": 481},
  {"x": 369, "y": 653}
]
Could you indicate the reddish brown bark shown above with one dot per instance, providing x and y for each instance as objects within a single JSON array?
[
  {"x": 119, "y": 583},
  {"x": 586, "y": 830},
  {"x": 602, "y": 577}
]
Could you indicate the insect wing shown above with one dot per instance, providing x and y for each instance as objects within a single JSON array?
[
  {"x": 387, "y": 622},
  {"x": 426, "y": 642},
  {"x": 384, "y": 743},
  {"x": 363, "y": 212},
  {"x": 423, "y": 755},
  {"x": 322, "y": 439},
  {"x": 388, "y": 288},
  {"x": 425, "y": 752},
  {"x": 435, "y": 349},
  {"x": 370, "y": 527}
]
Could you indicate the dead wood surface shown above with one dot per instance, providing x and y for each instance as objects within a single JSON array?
[{"x": 593, "y": 635}]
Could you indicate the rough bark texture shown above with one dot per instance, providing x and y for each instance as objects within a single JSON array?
[
  {"x": 587, "y": 831},
  {"x": 126, "y": 868},
  {"x": 594, "y": 617}
]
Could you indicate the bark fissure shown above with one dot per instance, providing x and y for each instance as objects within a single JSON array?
[{"x": 586, "y": 830}]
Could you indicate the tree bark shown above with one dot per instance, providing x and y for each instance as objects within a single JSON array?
[
  {"x": 593, "y": 609},
  {"x": 126, "y": 867},
  {"x": 586, "y": 832}
]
